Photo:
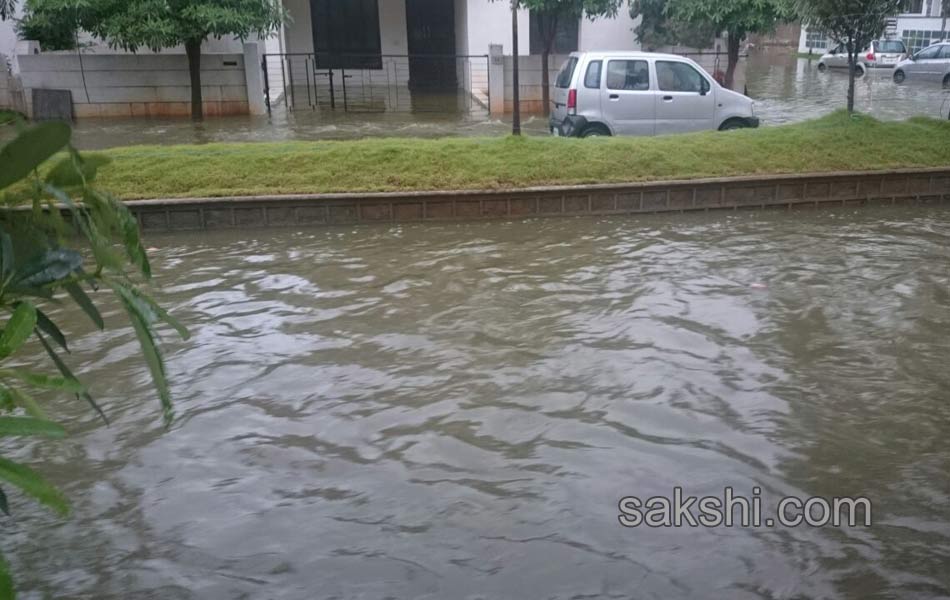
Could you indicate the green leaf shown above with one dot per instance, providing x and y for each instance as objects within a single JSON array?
[
  {"x": 30, "y": 149},
  {"x": 7, "y": 592},
  {"x": 85, "y": 302},
  {"x": 6, "y": 399},
  {"x": 153, "y": 357},
  {"x": 71, "y": 170},
  {"x": 32, "y": 484},
  {"x": 128, "y": 226},
  {"x": 47, "y": 326},
  {"x": 43, "y": 381},
  {"x": 149, "y": 309},
  {"x": 27, "y": 403},
  {"x": 50, "y": 266},
  {"x": 6, "y": 255},
  {"x": 4, "y": 506},
  {"x": 64, "y": 370},
  {"x": 29, "y": 426},
  {"x": 17, "y": 329}
]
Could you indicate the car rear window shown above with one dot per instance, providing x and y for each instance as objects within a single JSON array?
[
  {"x": 567, "y": 73},
  {"x": 890, "y": 46}
]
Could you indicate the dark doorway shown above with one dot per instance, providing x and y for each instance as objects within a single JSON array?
[
  {"x": 430, "y": 25},
  {"x": 346, "y": 34}
]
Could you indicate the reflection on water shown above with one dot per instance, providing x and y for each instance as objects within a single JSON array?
[
  {"x": 453, "y": 411},
  {"x": 786, "y": 89}
]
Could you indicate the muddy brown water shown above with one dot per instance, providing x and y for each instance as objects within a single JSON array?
[
  {"x": 454, "y": 410},
  {"x": 786, "y": 89}
]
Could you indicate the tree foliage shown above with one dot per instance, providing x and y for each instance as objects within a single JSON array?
[
  {"x": 46, "y": 259},
  {"x": 694, "y": 22},
  {"x": 157, "y": 24},
  {"x": 552, "y": 13},
  {"x": 854, "y": 23},
  {"x": 657, "y": 29}
]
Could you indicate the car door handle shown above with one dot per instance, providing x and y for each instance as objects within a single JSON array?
[
  {"x": 614, "y": 96},
  {"x": 667, "y": 98}
]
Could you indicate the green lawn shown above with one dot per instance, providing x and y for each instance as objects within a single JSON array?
[
  {"x": 7, "y": 116},
  {"x": 833, "y": 143}
]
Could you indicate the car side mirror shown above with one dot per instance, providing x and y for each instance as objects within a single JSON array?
[{"x": 703, "y": 87}]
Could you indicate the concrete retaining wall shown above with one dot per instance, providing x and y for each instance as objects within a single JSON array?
[
  {"x": 147, "y": 84},
  {"x": 928, "y": 186}
]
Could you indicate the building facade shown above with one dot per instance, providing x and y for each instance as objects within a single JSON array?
[{"x": 920, "y": 24}]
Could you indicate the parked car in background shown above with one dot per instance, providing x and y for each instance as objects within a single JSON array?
[
  {"x": 642, "y": 93},
  {"x": 880, "y": 54},
  {"x": 930, "y": 64}
]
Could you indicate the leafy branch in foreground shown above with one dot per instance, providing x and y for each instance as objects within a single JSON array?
[{"x": 46, "y": 258}]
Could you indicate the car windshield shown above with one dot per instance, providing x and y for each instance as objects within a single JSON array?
[
  {"x": 567, "y": 72},
  {"x": 890, "y": 46}
]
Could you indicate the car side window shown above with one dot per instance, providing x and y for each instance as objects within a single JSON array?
[
  {"x": 592, "y": 77},
  {"x": 678, "y": 77},
  {"x": 945, "y": 51},
  {"x": 628, "y": 75},
  {"x": 931, "y": 52}
]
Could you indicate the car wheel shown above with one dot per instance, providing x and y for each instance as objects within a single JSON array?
[
  {"x": 595, "y": 131},
  {"x": 899, "y": 77},
  {"x": 733, "y": 124},
  {"x": 822, "y": 67},
  {"x": 859, "y": 71}
]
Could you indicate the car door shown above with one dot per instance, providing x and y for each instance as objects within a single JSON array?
[
  {"x": 925, "y": 63},
  {"x": 629, "y": 106},
  {"x": 838, "y": 58},
  {"x": 683, "y": 98},
  {"x": 943, "y": 62},
  {"x": 561, "y": 85}
]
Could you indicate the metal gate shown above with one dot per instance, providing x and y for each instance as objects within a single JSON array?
[{"x": 376, "y": 82}]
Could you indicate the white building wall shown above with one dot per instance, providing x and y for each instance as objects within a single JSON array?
[
  {"x": 490, "y": 23},
  {"x": 609, "y": 34}
]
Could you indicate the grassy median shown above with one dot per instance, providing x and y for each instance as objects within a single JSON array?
[{"x": 832, "y": 143}]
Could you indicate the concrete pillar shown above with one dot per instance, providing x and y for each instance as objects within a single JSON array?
[
  {"x": 254, "y": 79},
  {"x": 496, "y": 79}
]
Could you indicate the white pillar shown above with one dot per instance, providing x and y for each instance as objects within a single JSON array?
[
  {"x": 496, "y": 79},
  {"x": 254, "y": 79}
]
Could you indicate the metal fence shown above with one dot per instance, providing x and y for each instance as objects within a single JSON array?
[{"x": 377, "y": 82}]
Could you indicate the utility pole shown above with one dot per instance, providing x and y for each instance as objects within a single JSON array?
[{"x": 516, "y": 91}]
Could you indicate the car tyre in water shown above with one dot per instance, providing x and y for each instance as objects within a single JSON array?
[
  {"x": 733, "y": 124},
  {"x": 899, "y": 77},
  {"x": 595, "y": 131},
  {"x": 822, "y": 67}
]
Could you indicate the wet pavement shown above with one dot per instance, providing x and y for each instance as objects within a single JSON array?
[{"x": 786, "y": 88}]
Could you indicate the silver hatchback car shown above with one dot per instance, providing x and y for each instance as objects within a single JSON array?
[
  {"x": 642, "y": 93},
  {"x": 930, "y": 64},
  {"x": 880, "y": 54}
]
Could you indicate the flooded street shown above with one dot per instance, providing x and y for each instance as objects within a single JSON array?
[
  {"x": 786, "y": 89},
  {"x": 454, "y": 410}
]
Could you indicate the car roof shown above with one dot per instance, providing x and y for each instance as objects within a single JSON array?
[{"x": 626, "y": 54}]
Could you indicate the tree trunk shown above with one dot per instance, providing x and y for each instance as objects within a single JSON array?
[
  {"x": 193, "y": 50},
  {"x": 549, "y": 36},
  {"x": 852, "y": 70},
  {"x": 732, "y": 56},
  {"x": 515, "y": 75}
]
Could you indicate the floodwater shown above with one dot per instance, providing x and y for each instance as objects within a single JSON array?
[
  {"x": 454, "y": 411},
  {"x": 786, "y": 89}
]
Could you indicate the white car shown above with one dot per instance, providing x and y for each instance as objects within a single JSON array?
[
  {"x": 881, "y": 54},
  {"x": 932, "y": 63},
  {"x": 642, "y": 93}
]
